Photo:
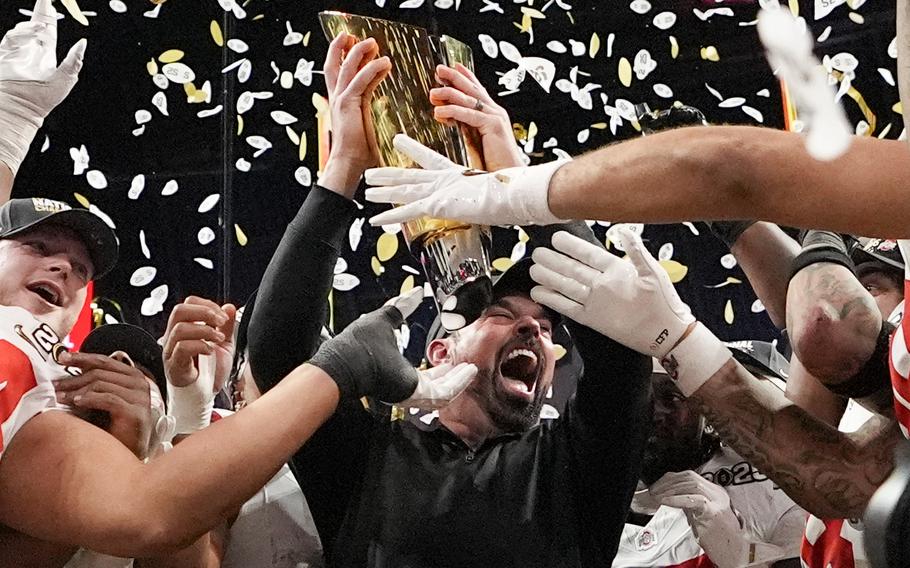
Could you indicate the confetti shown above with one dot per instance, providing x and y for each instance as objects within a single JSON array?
[
  {"x": 728, "y": 312},
  {"x": 407, "y": 285},
  {"x": 160, "y": 102},
  {"x": 345, "y": 282},
  {"x": 754, "y": 113},
  {"x": 674, "y": 269},
  {"x": 96, "y": 179},
  {"x": 170, "y": 188},
  {"x": 209, "y": 203},
  {"x": 663, "y": 91},
  {"x": 142, "y": 116},
  {"x": 143, "y": 276},
  {"x": 856, "y": 18},
  {"x": 386, "y": 246},
  {"x": 204, "y": 262},
  {"x": 664, "y": 20},
  {"x": 355, "y": 233},
  {"x": 283, "y": 118},
  {"x": 217, "y": 36},
  {"x": 757, "y": 307},
  {"x": 625, "y": 72},
  {"x": 643, "y": 64},
  {"x": 171, "y": 56},
  {"x": 732, "y": 102},
  {"x": 237, "y": 46},
  {"x": 303, "y": 176},
  {"x": 594, "y": 45},
  {"x": 640, "y": 6},
  {"x": 209, "y": 112},
  {"x": 144, "y": 246},
  {"x": 489, "y": 46},
  {"x": 556, "y": 46},
  {"x": 241, "y": 236},
  {"x": 674, "y": 47},
  {"x": 178, "y": 73},
  {"x": 72, "y": 6},
  {"x": 710, "y": 53},
  {"x": 728, "y": 261},
  {"x": 117, "y": 6},
  {"x": 136, "y": 187},
  {"x": 243, "y": 165}
]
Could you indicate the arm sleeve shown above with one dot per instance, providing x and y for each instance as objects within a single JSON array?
[
  {"x": 291, "y": 305},
  {"x": 606, "y": 425}
]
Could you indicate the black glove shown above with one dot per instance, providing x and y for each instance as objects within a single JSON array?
[
  {"x": 728, "y": 231},
  {"x": 364, "y": 359},
  {"x": 822, "y": 246}
]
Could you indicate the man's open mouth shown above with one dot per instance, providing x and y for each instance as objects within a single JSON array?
[
  {"x": 519, "y": 371},
  {"x": 47, "y": 292}
]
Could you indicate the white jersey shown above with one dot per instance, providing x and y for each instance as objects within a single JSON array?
[
  {"x": 772, "y": 522},
  {"x": 27, "y": 368}
]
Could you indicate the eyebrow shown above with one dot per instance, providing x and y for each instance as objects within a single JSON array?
[{"x": 512, "y": 307}]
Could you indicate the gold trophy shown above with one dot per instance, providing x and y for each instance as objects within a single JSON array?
[{"x": 454, "y": 255}]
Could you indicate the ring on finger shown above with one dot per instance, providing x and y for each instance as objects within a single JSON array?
[{"x": 478, "y": 105}]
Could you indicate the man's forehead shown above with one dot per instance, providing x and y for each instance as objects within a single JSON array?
[{"x": 518, "y": 303}]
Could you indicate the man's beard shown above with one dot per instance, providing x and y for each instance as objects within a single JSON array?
[{"x": 508, "y": 413}]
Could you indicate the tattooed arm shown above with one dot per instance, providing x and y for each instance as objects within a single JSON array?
[
  {"x": 831, "y": 474},
  {"x": 832, "y": 320}
]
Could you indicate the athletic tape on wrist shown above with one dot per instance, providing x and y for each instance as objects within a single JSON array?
[
  {"x": 534, "y": 183},
  {"x": 695, "y": 360},
  {"x": 192, "y": 405}
]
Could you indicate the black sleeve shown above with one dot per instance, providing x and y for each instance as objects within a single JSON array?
[
  {"x": 291, "y": 305},
  {"x": 605, "y": 424}
]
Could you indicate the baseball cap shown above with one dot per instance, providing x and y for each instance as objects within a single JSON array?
[
  {"x": 132, "y": 340},
  {"x": 761, "y": 358},
  {"x": 514, "y": 281},
  {"x": 881, "y": 251},
  {"x": 20, "y": 215}
]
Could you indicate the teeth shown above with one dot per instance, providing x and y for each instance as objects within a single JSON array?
[{"x": 521, "y": 352}]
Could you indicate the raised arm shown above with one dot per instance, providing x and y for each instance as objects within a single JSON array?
[
  {"x": 291, "y": 305},
  {"x": 828, "y": 473}
]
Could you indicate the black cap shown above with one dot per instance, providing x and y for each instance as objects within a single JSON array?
[
  {"x": 20, "y": 215},
  {"x": 760, "y": 357},
  {"x": 881, "y": 251},
  {"x": 135, "y": 342},
  {"x": 514, "y": 281}
]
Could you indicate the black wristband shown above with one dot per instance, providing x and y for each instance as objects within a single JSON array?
[
  {"x": 875, "y": 373},
  {"x": 729, "y": 231},
  {"x": 822, "y": 246}
]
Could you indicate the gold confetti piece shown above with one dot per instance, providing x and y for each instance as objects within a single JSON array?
[
  {"x": 171, "y": 56},
  {"x": 571, "y": 18},
  {"x": 625, "y": 72},
  {"x": 728, "y": 313},
  {"x": 152, "y": 67},
  {"x": 599, "y": 125},
  {"x": 727, "y": 282},
  {"x": 864, "y": 107},
  {"x": 302, "y": 152},
  {"x": 898, "y": 108},
  {"x": 75, "y": 11},
  {"x": 531, "y": 12},
  {"x": 523, "y": 236},
  {"x": 407, "y": 285},
  {"x": 594, "y": 46},
  {"x": 674, "y": 47},
  {"x": 377, "y": 267},
  {"x": 559, "y": 352},
  {"x": 519, "y": 131},
  {"x": 217, "y": 36},
  {"x": 306, "y": 39},
  {"x": 239, "y": 125},
  {"x": 710, "y": 53},
  {"x": 190, "y": 90},
  {"x": 241, "y": 236},
  {"x": 386, "y": 246},
  {"x": 856, "y": 18},
  {"x": 503, "y": 264},
  {"x": 675, "y": 270},
  {"x": 83, "y": 200},
  {"x": 885, "y": 131},
  {"x": 295, "y": 140},
  {"x": 258, "y": 17},
  {"x": 794, "y": 8}
]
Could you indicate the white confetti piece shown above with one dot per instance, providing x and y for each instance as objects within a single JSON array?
[
  {"x": 664, "y": 20},
  {"x": 153, "y": 13},
  {"x": 117, "y": 6},
  {"x": 610, "y": 39},
  {"x": 345, "y": 282},
  {"x": 856, "y": 18},
  {"x": 640, "y": 6},
  {"x": 291, "y": 37},
  {"x": 233, "y": 66},
  {"x": 179, "y": 73},
  {"x": 578, "y": 48},
  {"x": 143, "y": 276},
  {"x": 260, "y": 143},
  {"x": 209, "y": 202},
  {"x": 763, "y": 93},
  {"x": 825, "y": 7},
  {"x": 303, "y": 176},
  {"x": 714, "y": 92},
  {"x": 886, "y": 75},
  {"x": 287, "y": 80},
  {"x": 237, "y": 46},
  {"x": 824, "y": 35},
  {"x": 757, "y": 307},
  {"x": 341, "y": 265},
  {"x": 411, "y": 4},
  {"x": 136, "y": 187},
  {"x": 704, "y": 16},
  {"x": 204, "y": 262},
  {"x": 144, "y": 246},
  {"x": 556, "y": 46},
  {"x": 728, "y": 261},
  {"x": 283, "y": 118},
  {"x": 892, "y": 49},
  {"x": 583, "y": 135},
  {"x": 245, "y": 70},
  {"x": 243, "y": 165},
  {"x": 209, "y": 112},
  {"x": 170, "y": 188},
  {"x": 732, "y": 102},
  {"x": 548, "y": 412},
  {"x": 304, "y": 72},
  {"x": 205, "y": 235},
  {"x": 92, "y": 208},
  {"x": 862, "y": 128},
  {"x": 845, "y": 62},
  {"x": 80, "y": 160},
  {"x": 665, "y": 252},
  {"x": 46, "y": 145},
  {"x": 161, "y": 81},
  {"x": 518, "y": 251},
  {"x": 643, "y": 64},
  {"x": 489, "y": 46},
  {"x": 392, "y": 229},
  {"x": 754, "y": 113},
  {"x": 663, "y": 91},
  {"x": 245, "y": 102},
  {"x": 612, "y": 236},
  {"x": 355, "y": 233},
  {"x": 160, "y": 102},
  {"x": 410, "y": 270},
  {"x": 143, "y": 116},
  {"x": 96, "y": 179}
]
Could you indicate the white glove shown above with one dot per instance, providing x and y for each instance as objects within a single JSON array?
[
  {"x": 633, "y": 302},
  {"x": 513, "y": 196},
  {"x": 788, "y": 48},
  {"x": 707, "y": 507},
  {"x": 31, "y": 84}
]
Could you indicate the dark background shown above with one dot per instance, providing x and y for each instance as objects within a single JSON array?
[{"x": 200, "y": 154}]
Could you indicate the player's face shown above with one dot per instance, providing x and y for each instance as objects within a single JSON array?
[
  {"x": 885, "y": 291},
  {"x": 45, "y": 271},
  {"x": 511, "y": 344},
  {"x": 676, "y": 439}
]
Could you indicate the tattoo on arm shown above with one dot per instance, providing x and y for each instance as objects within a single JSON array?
[{"x": 829, "y": 473}]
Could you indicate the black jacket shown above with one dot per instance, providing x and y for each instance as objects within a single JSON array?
[{"x": 392, "y": 494}]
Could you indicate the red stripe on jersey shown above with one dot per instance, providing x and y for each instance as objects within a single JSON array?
[
  {"x": 901, "y": 384},
  {"x": 831, "y": 549},
  {"x": 16, "y": 378}
]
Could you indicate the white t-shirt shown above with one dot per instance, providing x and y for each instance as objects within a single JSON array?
[{"x": 771, "y": 521}]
